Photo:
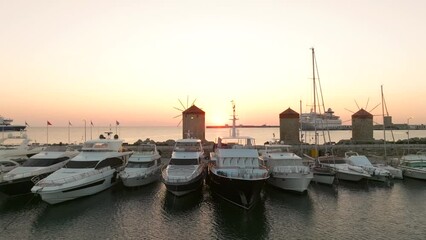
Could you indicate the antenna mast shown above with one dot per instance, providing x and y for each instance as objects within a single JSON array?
[{"x": 234, "y": 119}]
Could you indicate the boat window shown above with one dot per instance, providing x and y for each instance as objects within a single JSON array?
[
  {"x": 177, "y": 161},
  {"x": 335, "y": 161},
  {"x": 140, "y": 164},
  {"x": 41, "y": 162},
  {"x": 81, "y": 164},
  {"x": 111, "y": 162},
  {"x": 187, "y": 147},
  {"x": 7, "y": 164}
]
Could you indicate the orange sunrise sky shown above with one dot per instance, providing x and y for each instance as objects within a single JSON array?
[{"x": 131, "y": 61}]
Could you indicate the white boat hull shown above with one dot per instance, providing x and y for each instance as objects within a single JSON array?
[
  {"x": 292, "y": 182},
  {"x": 323, "y": 178},
  {"x": 140, "y": 180},
  {"x": 77, "y": 189},
  {"x": 395, "y": 172},
  {"x": 353, "y": 177},
  {"x": 415, "y": 173}
]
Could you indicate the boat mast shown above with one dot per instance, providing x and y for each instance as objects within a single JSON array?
[
  {"x": 384, "y": 127},
  {"x": 315, "y": 98}
]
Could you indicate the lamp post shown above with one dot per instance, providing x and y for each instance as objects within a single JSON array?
[{"x": 84, "y": 120}]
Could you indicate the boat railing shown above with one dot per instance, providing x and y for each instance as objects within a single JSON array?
[
  {"x": 245, "y": 173},
  {"x": 65, "y": 180},
  {"x": 178, "y": 179},
  {"x": 290, "y": 169}
]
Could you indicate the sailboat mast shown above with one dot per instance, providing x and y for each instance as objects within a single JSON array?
[
  {"x": 384, "y": 127},
  {"x": 315, "y": 95}
]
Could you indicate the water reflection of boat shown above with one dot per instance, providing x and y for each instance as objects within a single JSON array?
[
  {"x": 174, "y": 204},
  {"x": 236, "y": 222}
]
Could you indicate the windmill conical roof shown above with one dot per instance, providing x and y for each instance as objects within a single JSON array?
[
  {"x": 289, "y": 113},
  {"x": 362, "y": 114},
  {"x": 193, "y": 110}
]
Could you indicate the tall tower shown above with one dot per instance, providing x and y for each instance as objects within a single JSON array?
[
  {"x": 289, "y": 127},
  {"x": 362, "y": 126},
  {"x": 194, "y": 123}
]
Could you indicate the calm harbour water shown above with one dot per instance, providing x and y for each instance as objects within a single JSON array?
[{"x": 347, "y": 211}]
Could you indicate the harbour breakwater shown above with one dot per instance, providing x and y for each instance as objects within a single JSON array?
[{"x": 377, "y": 153}]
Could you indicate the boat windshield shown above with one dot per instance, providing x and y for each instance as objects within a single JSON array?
[
  {"x": 81, "y": 164},
  {"x": 178, "y": 161},
  {"x": 187, "y": 147},
  {"x": 140, "y": 164},
  {"x": 40, "y": 162}
]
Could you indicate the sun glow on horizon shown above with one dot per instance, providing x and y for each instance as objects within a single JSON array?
[{"x": 218, "y": 119}]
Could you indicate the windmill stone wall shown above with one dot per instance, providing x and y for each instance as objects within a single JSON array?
[
  {"x": 194, "y": 123},
  {"x": 289, "y": 127},
  {"x": 362, "y": 126}
]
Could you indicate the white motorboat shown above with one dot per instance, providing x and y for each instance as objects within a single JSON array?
[
  {"x": 144, "y": 166},
  {"x": 6, "y": 125},
  {"x": 95, "y": 169},
  {"x": 376, "y": 173},
  {"x": 343, "y": 170},
  {"x": 395, "y": 172},
  {"x": 7, "y": 165},
  {"x": 17, "y": 148},
  {"x": 286, "y": 169},
  {"x": 414, "y": 165},
  {"x": 185, "y": 172},
  {"x": 21, "y": 179}
]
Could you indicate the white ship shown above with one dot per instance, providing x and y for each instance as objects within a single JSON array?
[{"x": 320, "y": 121}]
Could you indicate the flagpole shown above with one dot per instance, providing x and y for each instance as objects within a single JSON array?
[
  {"x": 47, "y": 133},
  {"x": 84, "y": 130},
  {"x": 69, "y": 124},
  {"x": 91, "y": 126}
]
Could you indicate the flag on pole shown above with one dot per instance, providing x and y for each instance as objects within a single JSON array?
[
  {"x": 26, "y": 124},
  {"x": 69, "y": 123},
  {"x": 91, "y": 123},
  {"x": 48, "y": 123},
  {"x": 117, "y": 123}
]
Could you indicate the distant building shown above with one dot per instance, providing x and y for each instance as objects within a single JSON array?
[
  {"x": 362, "y": 126},
  {"x": 289, "y": 126},
  {"x": 194, "y": 123},
  {"x": 387, "y": 121}
]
